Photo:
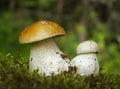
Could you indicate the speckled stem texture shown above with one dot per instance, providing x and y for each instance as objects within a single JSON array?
[{"x": 47, "y": 58}]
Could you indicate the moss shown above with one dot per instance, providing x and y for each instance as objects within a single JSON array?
[{"x": 14, "y": 74}]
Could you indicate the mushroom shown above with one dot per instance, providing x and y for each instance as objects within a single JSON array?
[
  {"x": 86, "y": 62},
  {"x": 45, "y": 56}
]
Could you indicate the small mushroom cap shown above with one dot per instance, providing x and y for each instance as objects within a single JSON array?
[
  {"x": 39, "y": 31},
  {"x": 87, "y": 47}
]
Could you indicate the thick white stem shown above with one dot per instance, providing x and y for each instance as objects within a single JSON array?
[
  {"x": 47, "y": 58},
  {"x": 86, "y": 64}
]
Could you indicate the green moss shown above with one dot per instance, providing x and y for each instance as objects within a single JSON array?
[{"x": 14, "y": 74}]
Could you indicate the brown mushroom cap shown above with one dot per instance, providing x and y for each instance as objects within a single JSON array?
[{"x": 39, "y": 31}]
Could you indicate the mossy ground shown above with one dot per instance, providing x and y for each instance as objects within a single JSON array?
[{"x": 14, "y": 74}]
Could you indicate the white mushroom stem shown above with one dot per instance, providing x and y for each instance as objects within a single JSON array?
[
  {"x": 86, "y": 64},
  {"x": 47, "y": 58}
]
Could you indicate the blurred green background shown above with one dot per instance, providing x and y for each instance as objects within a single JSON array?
[{"x": 97, "y": 20}]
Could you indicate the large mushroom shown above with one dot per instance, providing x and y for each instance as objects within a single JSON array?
[
  {"x": 86, "y": 63},
  {"x": 45, "y": 56}
]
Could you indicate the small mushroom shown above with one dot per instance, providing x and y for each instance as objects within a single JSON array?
[
  {"x": 86, "y": 61},
  {"x": 45, "y": 54}
]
